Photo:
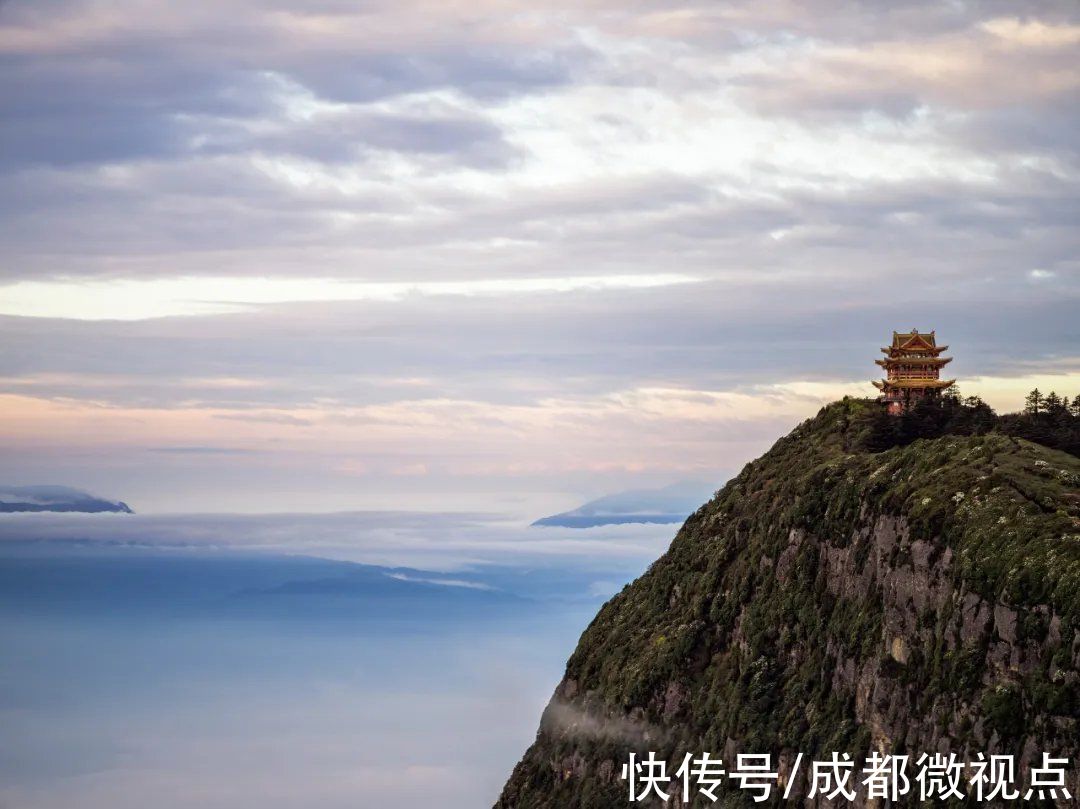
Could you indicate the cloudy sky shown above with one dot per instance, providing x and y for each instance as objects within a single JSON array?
[{"x": 505, "y": 255}]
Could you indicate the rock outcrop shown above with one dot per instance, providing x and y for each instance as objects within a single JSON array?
[{"x": 922, "y": 599}]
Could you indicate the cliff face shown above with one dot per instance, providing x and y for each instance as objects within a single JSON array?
[{"x": 922, "y": 599}]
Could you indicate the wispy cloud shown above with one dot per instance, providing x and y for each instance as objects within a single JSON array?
[
  {"x": 468, "y": 585},
  {"x": 140, "y": 300},
  {"x": 202, "y": 450},
  {"x": 431, "y": 541}
]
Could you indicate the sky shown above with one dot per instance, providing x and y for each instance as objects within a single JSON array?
[{"x": 508, "y": 256}]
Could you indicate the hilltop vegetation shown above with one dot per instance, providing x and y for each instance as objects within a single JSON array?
[{"x": 1050, "y": 420}]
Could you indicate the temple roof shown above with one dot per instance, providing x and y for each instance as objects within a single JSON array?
[
  {"x": 913, "y": 339},
  {"x": 913, "y": 342}
]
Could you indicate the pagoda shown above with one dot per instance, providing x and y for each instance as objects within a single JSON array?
[{"x": 912, "y": 365}]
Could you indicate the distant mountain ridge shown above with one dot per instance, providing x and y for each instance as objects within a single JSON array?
[
  {"x": 671, "y": 504},
  {"x": 56, "y": 498}
]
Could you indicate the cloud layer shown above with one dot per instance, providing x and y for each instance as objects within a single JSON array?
[{"x": 319, "y": 255}]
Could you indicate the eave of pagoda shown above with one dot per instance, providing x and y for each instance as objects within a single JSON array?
[
  {"x": 909, "y": 384},
  {"x": 894, "y": 361},
  {"x": 913, "y": 352}
]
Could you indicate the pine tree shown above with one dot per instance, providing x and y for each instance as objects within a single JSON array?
[
  {"x": 1033, "y": 403},
  {"x": 1053, "y": 404},
  {"x": 1075, "y": 408}
]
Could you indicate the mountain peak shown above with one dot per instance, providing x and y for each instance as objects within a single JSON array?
[
  {"x": 923, "y": 597},
  {"x": 671, "y": 504},
  {"x": 56, "y": 498}
]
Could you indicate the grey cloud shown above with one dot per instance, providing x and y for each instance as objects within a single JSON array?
[
  {"x": 186, "y": 108},
  {"x": 951, "y": 61},
  {"x": 794, "y": 96},
  {"x": 634, "y": 227},
  {"x": 1049, "y": 130},
  {"x": 88, "y": 120},
  {"x": 466, "y": 140},
  {"x": 87, "y": 108},
  {"x": 202, "y": 450},
  {"x": 704, "y": 336},
  {"x": 489, "y": 73},
  {"x": 139, "y": 91}
]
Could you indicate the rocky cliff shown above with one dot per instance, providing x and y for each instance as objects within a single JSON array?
[{"x": 920, "y": 599}]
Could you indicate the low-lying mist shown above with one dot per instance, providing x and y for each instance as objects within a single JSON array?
[{"x": 182, "y": 674}]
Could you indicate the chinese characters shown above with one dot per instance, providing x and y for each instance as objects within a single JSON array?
[{"x": 936, "y": 777}]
